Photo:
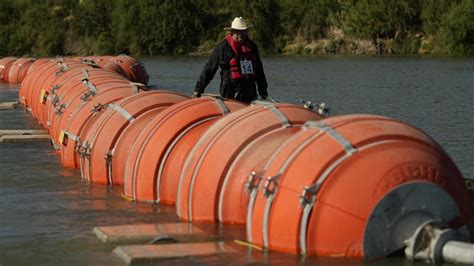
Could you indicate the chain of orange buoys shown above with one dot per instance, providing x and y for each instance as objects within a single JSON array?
[{"x": 359, "y": 186}]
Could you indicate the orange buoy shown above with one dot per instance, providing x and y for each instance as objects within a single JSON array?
[
  {"x": 44, "y": 84},
  {"x": 104, "y": 62},
  {"x": 77, "y": 91},
  {"x": 18, "y": 70},
  {"x": 24, "y": 87},
  {"x": 114, "y": 67},
  {"x": 207, "y": 164},
  {"x": 354, "y": 186},
  {"x": 233, "y": 197},
  {"x": 133, "y": 69},
  {"x": 98, "y": 142},
  {"x": 31, "y": 83},
  {"x": 148, "y": 175},
  {"x": 48, "y": 88},
  {"x": 125, "y": 143},
  {"x": 70, "y": 129},
  {"x": 72, "y": 86},
  {"x": 36, "y": 64},
  {"x": 5, "y": 65},
  {"x": 53, "y": 95}
]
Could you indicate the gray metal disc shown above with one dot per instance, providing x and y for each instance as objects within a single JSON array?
[{"x": 401, "y": 211}]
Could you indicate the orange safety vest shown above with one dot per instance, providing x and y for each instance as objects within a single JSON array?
[{"x": 243, "y": 65}]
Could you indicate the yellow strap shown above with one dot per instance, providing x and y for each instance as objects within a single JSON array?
[
  {"x": 126, "y": 197},
  {"x": 247, "y": 244}
]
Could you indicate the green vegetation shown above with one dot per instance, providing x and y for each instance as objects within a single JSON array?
[{"x": 154, "y": 27}]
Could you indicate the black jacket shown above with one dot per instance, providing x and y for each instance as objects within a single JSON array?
[{"x": 244, "y": 90}]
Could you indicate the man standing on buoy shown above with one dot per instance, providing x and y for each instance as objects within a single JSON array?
[{"x": 241, "y": 67}]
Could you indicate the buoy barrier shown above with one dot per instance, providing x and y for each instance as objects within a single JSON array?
[
  {"x": 158, "y": 153},
  {"x": 18, "y": 70},
  {"x": 354, "y": 186},
  {"x": 124, "y": 65},
  {"x": 5, "y": 65},
  {"x": 358, "y": 186},
  {"x": 210, "y": 159},
  {"x": 98, "y": 140}
]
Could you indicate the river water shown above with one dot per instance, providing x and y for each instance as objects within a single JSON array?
[{"x": 47, "y": 213}]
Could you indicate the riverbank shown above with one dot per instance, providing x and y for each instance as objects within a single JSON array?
[
  {"x": 337, "y": 43},
  {"x": 143, "y": 28}
]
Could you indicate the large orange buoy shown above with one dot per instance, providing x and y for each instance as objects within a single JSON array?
[
  {"x": 5, "y": 65},
  {"x": 211, "y": 158},
  {"x": 133, "y": 69},
  {"x": 25, "y": 84},
  {"x": 36, "y": 64},
  {"x": 124, "y": 145},
  {"x": 104, "y": 62},
  {"x": 355, "y": 186},
  {"x": 70, "y": 129},
  {"x": 18, "y": 70},
  {"x": 147, "y": 176},
  {"x": 79, "y": 90},
  {"x": 233, "y": 196},
  {"x": 98, "y": 142}
]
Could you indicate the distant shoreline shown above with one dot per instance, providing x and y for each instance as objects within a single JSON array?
[{"x": 346, "y": 46}]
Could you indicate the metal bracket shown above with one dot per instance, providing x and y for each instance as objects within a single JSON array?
[
  {"x": 98, "y": 107},
  {"x": 59, "y": 109},
  {"x": 89, "y": 62},
  {"x": 308, "y": 195},
  {"x": 252, "y": 182},
  {"x": 319, "y": 108},
  {"x": 92, "y": 88},
  {"x": 55, "y": 100},
  {"x": 55, "y": 88},
  {"x": 62, "y": 67},
  {"x": 270, "y": 186},
  {"x": 87, "y": 95},
  {"x": 84, "y": 149}
]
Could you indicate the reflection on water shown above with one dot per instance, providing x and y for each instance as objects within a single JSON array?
[{"x": 47, "y": 212}]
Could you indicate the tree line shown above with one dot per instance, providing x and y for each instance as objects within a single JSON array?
[{"x": 157, "y": 27}]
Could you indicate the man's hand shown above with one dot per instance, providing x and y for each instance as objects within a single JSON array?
[{"x": 195, "y": 95}]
